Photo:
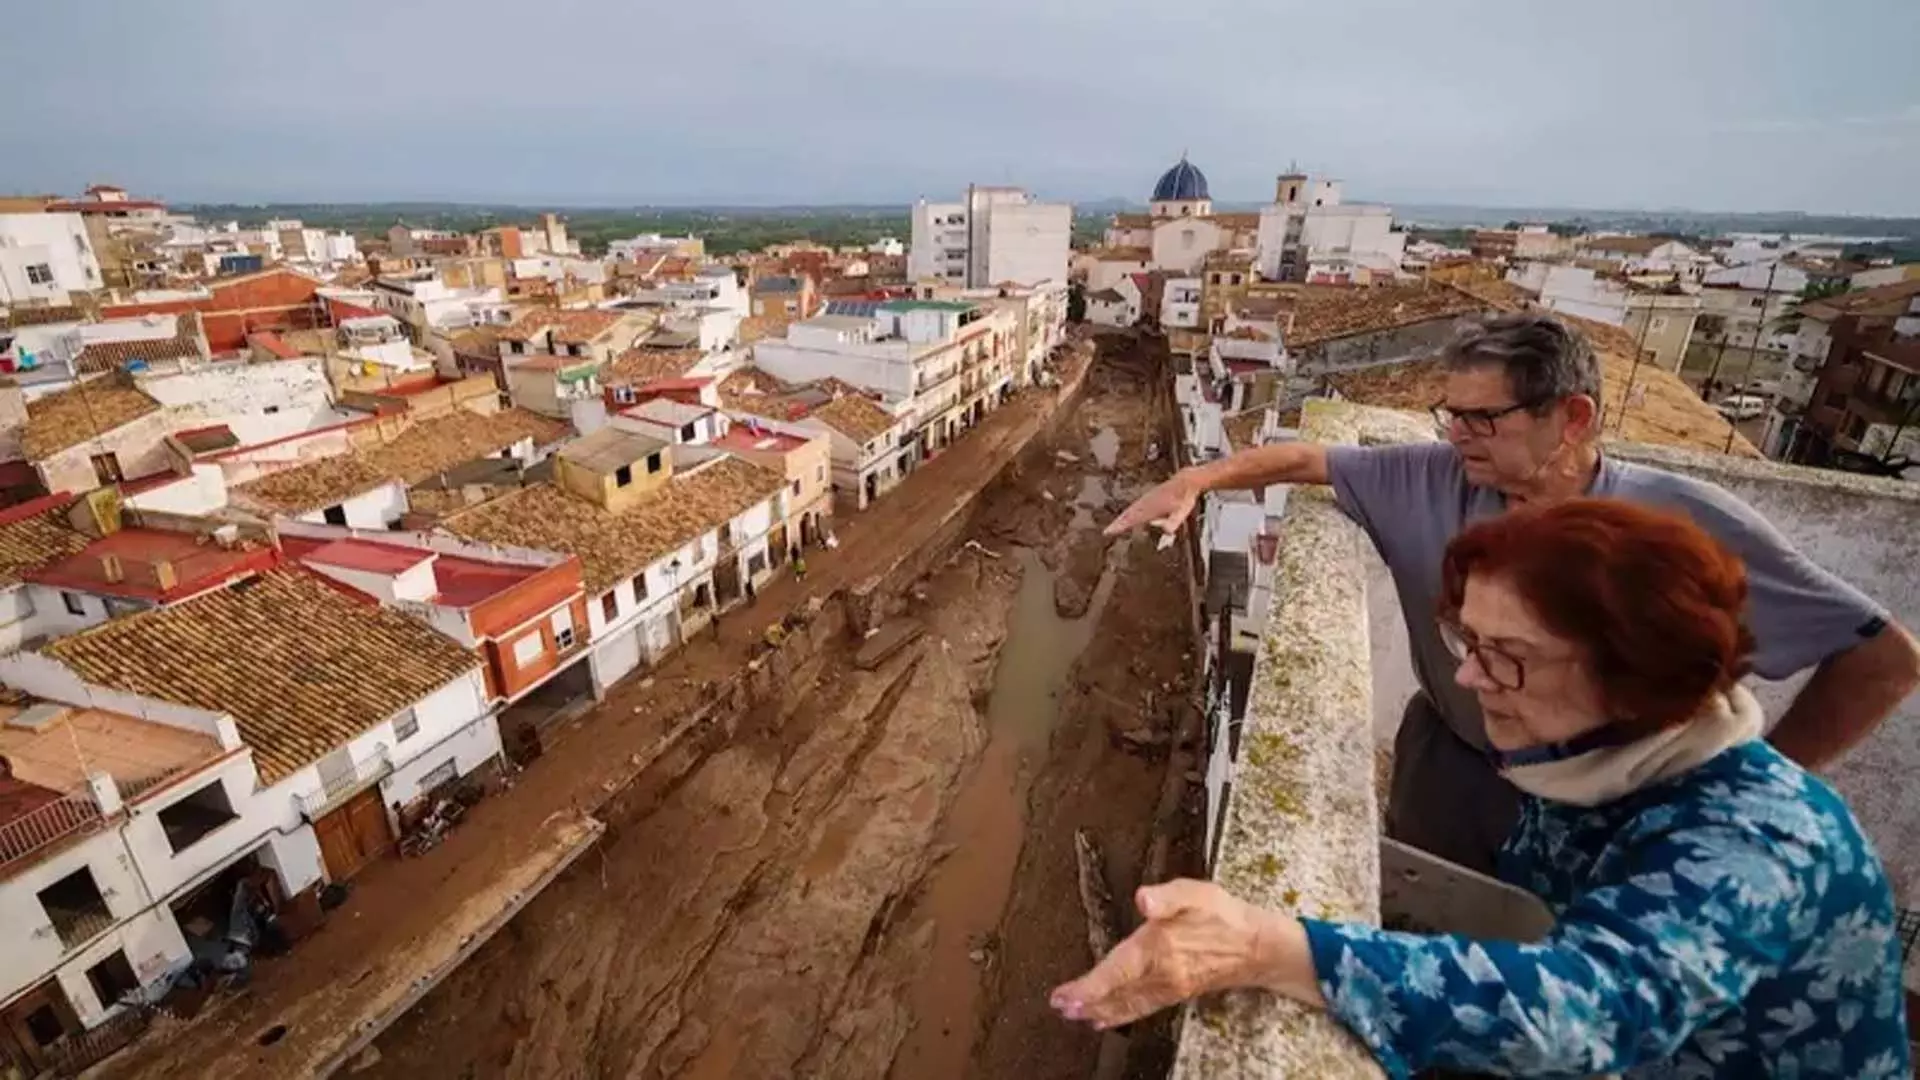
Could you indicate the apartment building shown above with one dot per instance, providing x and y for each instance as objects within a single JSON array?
[
  {"x": 44, "y": 258},
  {"x": 994, "y": 235}
]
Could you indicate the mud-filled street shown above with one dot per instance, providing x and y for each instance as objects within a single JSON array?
[{"x": 876, "y": 875}]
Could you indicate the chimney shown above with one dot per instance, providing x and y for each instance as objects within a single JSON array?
[
  {"x": 97, "y": 513},
  {"x": 163, "y": 575},
  {"x": 111, "y": 570}
]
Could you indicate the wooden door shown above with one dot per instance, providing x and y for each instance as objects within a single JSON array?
[
  {"x": 354, "y": 835},
  {"x": 32, "y": 1022}
]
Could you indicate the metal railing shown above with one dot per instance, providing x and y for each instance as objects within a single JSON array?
[
  {"x": 340, "y": 787},
  {"x": 74, "y": 814}
]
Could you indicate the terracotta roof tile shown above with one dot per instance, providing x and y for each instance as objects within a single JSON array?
[
  {"x": 856, "y": 416},
  {"x": 613, "y": 547},
  {"x": 302, "y": 667},
  {"x": 41, "y": 316},
  {"x": 66, "y": 418},
  {"x": 1122, "y": 254},
  {"x": 1663, "y": 409},
  {"x": 1628, "y": 245},
  {"x": 640, "y": 366},
  {"x": 571, "y": 327},
  {"x": 108, "y": 356},
  {"x": 1341, "y": 311},
  {"x": 422, "y": 451},
  {"x": 1880, "y": 300},
  {"x": 30, "y": 542}
]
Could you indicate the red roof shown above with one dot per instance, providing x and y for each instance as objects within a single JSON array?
[
  {"x": 368, "y": 556},
  {"x": 694, "y": 382},
  {"x": 34, "y": 507},
  {"x": 459, "y": 581},
  {"x": 1141, "y": 281},
  {"x": 196, "y": 564}
]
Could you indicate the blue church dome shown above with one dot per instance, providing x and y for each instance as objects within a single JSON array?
[{"x": 1183, "y": 181}]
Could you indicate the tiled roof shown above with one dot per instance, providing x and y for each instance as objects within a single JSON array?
[
  {"x": 1880, "y": 300},
  {"x": 41, "y": 316},
  {"x": 66, "y": 418},
  {"x": 613, "y": 547},
  {"x": 106, "y": 356},
  {"x": 856, "y": 416},
  {"x": 1236, "y": 221},
  {"x": 1132, "y": 221},
  {"x": 779, "y": 283},
  {"x": 1122, "y": 254},
  {"x": 314, "y": 485},
  {"x": 1663, "y": 409},
  {"x": 478, "y": 341},
  {"x": 34, "y": 535},
  {"x": 1322, "y": 314},
  {"x": 637, "y": 367},
  {"x": 422, "y": 451},
  {"x": 302, "y": 667},
  {"x": 1106, "y": 296},
  {"x": 1629, "y": 245},
  {"x": 571, "y": 327}
]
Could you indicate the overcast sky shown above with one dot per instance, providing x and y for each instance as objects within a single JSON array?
[{"x": 1702, "y": 104}]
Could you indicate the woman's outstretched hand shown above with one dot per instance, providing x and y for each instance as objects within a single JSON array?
[{"x": 1197, "y": 938}]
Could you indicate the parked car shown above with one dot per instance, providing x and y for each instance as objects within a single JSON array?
[{"x": 1742, "y": 406}]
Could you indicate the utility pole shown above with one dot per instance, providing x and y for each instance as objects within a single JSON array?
[
  {"x": 1639, "y": 351},
  {"x": 1746, "y": 376}
]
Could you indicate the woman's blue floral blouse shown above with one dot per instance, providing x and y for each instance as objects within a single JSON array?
[{"x": 1731, "y": 922}]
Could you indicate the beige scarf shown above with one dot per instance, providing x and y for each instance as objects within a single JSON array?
[{"x": 1601, "y": 776}]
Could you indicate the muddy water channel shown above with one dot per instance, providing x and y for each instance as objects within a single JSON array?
[{"x": 967, "y": 893}]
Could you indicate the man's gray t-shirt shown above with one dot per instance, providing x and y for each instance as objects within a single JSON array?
[{"x": 1412, "y": 499}]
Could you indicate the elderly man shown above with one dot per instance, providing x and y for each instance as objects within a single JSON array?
[{"x": 1522, "y": 417}]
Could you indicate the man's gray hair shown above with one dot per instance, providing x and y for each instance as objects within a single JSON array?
[{"x": 1545, "y": 359}]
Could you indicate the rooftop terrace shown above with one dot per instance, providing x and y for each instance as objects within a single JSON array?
[{"x": 1302, "y": 818}]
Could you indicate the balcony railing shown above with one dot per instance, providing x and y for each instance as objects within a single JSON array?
[
  {"x": 68, "y": 816},
  {"x": 340, "y": 787}
]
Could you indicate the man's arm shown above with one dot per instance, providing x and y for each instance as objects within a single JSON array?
[
  {"x": 1847, "y": 697},
  {"x": 1169, "y": 504}
]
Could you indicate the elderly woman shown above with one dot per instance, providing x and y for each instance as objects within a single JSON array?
[{"x": 1719, "y": 912}]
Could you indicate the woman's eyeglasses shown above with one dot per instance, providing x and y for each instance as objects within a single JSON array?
[{"x": 1502, "y": 668}]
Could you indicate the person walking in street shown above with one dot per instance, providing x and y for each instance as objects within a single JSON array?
[
  {"x": 1522, "y": 417},
  {"x": 799, "y": 564}
]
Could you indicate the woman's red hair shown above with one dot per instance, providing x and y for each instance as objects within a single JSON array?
[{"x": 1655, "y": 602}]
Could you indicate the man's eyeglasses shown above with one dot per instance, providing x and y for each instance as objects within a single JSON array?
[
  {"x": 1504, "y": 669},
  {"x": 1476, "y": 421}
]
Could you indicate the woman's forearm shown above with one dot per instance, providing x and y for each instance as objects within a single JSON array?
[{"x": 1285, "y": 959}]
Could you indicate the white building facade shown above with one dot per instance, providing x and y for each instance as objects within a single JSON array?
[
  {"x": 998, "y": 234},
  {"x": 44, "y": 258}
]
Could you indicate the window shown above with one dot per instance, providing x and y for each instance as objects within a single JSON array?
[
  {"x": 76, "y": 908},
  {"x": 516, "y": 347},
  {"x": 757, "y": 564},
  {"x": 796, "y": 487},
  {"x": 530, "y": 648},
  {"x": 623, "y": 476},
  {"x": 702, "y": 595},
  {"x": 610, "y": 606},
  {"x": 271, "y": 409},
  {"x": 1856, "y": 427},
  {"x": 112, "y": 978},
  {"x": 39, "y": 274},
  {"x": 439, "y": 777},
  {"x": 407, "y": 726},
  {"x": 188, "y": 821},
  {"x": 335, "y": 515},
  {"x": 73, "y": 603},
  {"x": 687, "y": 432},
  {"x": 819, "y": 474},
  {"x": 653, "y": 463},
  {"x": 80, "y": 244}
]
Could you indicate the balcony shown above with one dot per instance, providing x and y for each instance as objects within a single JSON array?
[
  {"x": 338, "y": 788},
  {"x": 70, "y": 816},
  {"x": 1301, "y": 791}
]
